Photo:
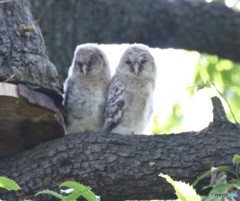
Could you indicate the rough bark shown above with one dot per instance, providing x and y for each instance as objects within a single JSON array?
[
  {"x": 22, "y": 51},
  {"x": 192, "y": 25},
  {"x": 28, "y": 115},
  {"x": 121, "y": 167}
]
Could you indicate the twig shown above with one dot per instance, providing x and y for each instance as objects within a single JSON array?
[
  {"x": 10, "y": 78},
  {"x": 218, "y": 110}
]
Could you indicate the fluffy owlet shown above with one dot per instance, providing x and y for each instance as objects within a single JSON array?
[
  {"x": 85, "y": 89},
  {"x": 130, "y": 93}
]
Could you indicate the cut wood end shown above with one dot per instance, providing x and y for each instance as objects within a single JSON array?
[
  {"x": 8, "y": 90},
  {"x": 27, "y": 118}
]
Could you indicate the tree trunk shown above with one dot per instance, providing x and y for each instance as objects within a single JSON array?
[
  {"x": 121, "y": 167},
  {"x": 22, "y": 51},
  {"x": 193, "y": 25},
  {"x": 27, "y": 116}
]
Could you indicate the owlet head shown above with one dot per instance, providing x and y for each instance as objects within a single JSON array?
[
  {"x": 89, "y": 60},
  {"x": 137, "y": 62}
]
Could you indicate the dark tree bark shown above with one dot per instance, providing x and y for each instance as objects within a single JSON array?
[
  {"x": 121, "y": 167},
  {"x": 27, "y": 115},
  {"x": 192, "y": 25},
  {"x": 22, "y": 51}
]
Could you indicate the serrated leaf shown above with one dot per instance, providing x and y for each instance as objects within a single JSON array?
[
  {"x": 52, "y": 193},
  {"x": 221, "y": 188},
  {"x": 8, "y": 184},
  {"x": 184, "y": 191},
  {"x": 76, "y": 194},
  {"x": 204, "y": 175},
  {"x": 90, "y": 196},
  {"x": 236, "y": 158},
  {"x": 237, "y": 184},
  {"x": 79, "y": 190},
  {"x": 74, "y": 185}
]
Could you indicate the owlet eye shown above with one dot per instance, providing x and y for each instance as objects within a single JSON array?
[
  {"x": 79, "y": 63},
  {"x": 143, "y": 61},
  {"x": 128, "y": 62},
  {"x": 92, "y": 61}
]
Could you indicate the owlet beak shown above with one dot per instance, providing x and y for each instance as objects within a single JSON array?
[
  {"x": 84, "y": 70},
  {"x": 136, "y": 69}
]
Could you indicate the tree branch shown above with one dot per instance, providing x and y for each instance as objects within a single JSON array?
[
  {"x": 121, "y": 167},
  {"x": 182, "y": 24},
  {"x": 219, "y": 114}
]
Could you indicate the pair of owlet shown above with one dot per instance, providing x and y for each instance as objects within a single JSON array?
[{"x": 121, "y": 105}]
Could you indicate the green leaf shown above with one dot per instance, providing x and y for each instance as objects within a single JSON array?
[
  {"x": 184, "y": 191},
  {"x": 219, "y": 189},
  {"x": 52, "y": 193},
  {"x": 173, "y": 120},
  {"x": 90, "y": 196},
  {"x": 236, "y": 184},
  {"x": 79, "y": 190},
  {"x": 8, "y": 184},
  {"x": 87, "y": 194},
  {"x": 74, "y": 185},
  {"x": 213, "y": 198},
  {"x": 209, "y": 172},
  {"x": 76, "y": 194},
  {"x": 236, "y": 158},
  {"x": 202, "y": 85}
]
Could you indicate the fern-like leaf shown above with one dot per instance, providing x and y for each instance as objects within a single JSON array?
[
  {"x": 79, "y": 190},
  {"x": 52, "y": 193}
]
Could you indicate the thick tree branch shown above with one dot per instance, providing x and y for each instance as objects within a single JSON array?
[
  {"x": 193, "y": 25},
  {"x": 121, "y": 167}
]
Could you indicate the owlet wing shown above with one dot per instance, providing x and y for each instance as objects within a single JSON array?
[{"x": 115, "y": 104}]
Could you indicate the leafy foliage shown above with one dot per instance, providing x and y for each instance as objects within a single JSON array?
[
  {"x": 222, "y": 75},
  {"x": 174, "y": 120},
  {"x": 184, "y": 191},
  {"x": 8, "y": 184},
  {"x": 72, "y": 193},
  {"x": 219, "y": 183}
]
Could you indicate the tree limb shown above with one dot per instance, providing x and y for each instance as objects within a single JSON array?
[
  {"x": 182, "y": 24},
  {"x": 121, "y": 167}
]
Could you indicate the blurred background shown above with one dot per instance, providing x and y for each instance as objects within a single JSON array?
[{"x": 186, "y": 79}]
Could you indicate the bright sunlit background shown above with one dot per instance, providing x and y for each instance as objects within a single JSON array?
[
  {"x": 230, "y": 3},
  {"x": 176, "y": 69},
  {"x": 182, "y": 101}
]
